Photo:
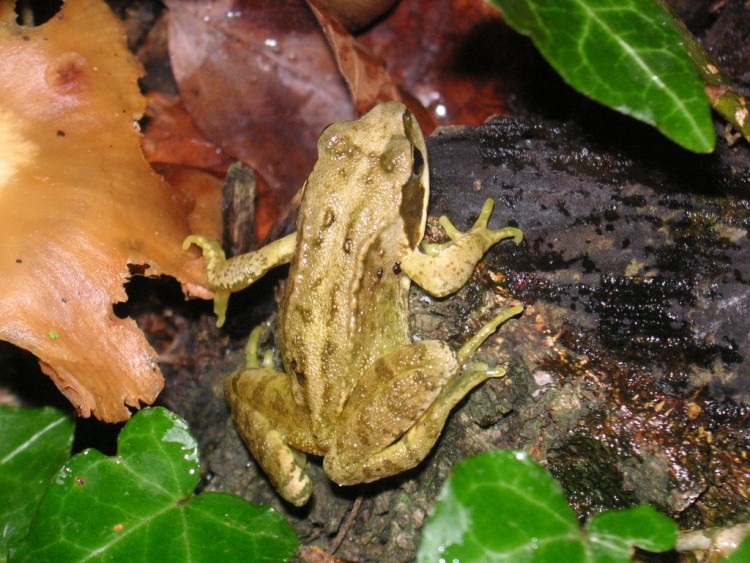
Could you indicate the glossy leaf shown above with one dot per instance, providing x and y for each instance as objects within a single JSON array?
[
  {"x": 139, "y": 506},
  {"x": 503, "y": 506},
  {"x": 627, "y": 55},
  {"x": 742, "y": 555},
  {"x": 34, "y": 443},
  {"x": 613, "y": 534}
]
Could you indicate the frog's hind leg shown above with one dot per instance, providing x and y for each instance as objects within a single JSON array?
[
  {"x": 398, "y": 409},
  {"x": 392, "y": 425},
  {"x": 270, "y": 423}
]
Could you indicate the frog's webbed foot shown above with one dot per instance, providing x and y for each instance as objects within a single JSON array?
[
  {"x": 444, "y": 268},
  {"x": 471, "y": 370},
  {"x": 228, "y": 275},
  {"x": 407, "y": 396},
  {"x": 479, "y": 229}
]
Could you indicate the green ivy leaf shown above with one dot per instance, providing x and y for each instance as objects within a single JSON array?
[
  {"x": 615, "y": 533},
  {"x": 139, "y": 505},
  {"x": 34, "y": 443},
  {"x": 742, "y": 555},
  {"x": 627, "y": 54},
  {"x": 503, "y": 506}
]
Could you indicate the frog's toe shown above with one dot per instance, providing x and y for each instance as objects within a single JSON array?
[
  {"x": 484, "y": 216},
  {"x": 189, "y": 241},
  {"x": 449, "y": 228},
  {"x": 471, "y": 346},
  {"x": 289, "y": 478},
  {"x": 221, "y": 303},
  {"x": 196, "y": 240},
  {"x": 211, "y": 248}
]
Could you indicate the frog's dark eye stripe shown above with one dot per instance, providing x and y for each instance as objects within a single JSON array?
[{"x": 417, "y": 162}]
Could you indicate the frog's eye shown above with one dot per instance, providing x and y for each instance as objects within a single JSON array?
[{"x": 417, "y": 163}]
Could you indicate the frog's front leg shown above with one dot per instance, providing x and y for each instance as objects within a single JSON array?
[
  {"x": 274, "y": 427},
  {"x": 397, "y": 410},
  {"x": 444, "y": 268},
  {"x": 227, "y": 276}
]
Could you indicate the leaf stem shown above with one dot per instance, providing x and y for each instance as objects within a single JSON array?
[{"x": 723, "y": 97}]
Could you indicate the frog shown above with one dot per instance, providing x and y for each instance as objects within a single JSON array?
[{"x": 355, "y": 388}]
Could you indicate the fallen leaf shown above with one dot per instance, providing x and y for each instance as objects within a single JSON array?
[
  {"x": 203, "y": 193},
  {"x": 260, "y": 81},
  {"x": 453, "y": 55},
  {"x": 368, "y": 80},
  {"x": 81, "y": 208},
  {"x": 171, "y": 137},
  {"x": 173, "y": 143}
]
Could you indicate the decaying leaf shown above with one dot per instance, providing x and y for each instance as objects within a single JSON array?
[
  {"x": 365, "y": 75},
  {"x": 191, "y": 163},
  {"x": 260, "y": 81},
  {"x": 368, "y": 80},
  {"x": 81, "y": 208},
  {"x": 452, "y": 55},
  {"x": 171, "y": 138}
]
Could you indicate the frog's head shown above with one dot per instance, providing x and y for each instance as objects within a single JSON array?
[
  {"x": 380, "y": 161},
  {"x": 396, "y": 137}
]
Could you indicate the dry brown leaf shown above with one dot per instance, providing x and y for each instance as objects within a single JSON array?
[
  {"x": 171, "y": 137},
  {"x": 172, "y": 143},
  {"x": 453, "y": 55},
  {"x": 259, "y": 80},
  {"x": 368, "y": 80},
  {"x": 203, "y": 198},
  {"x": 80, "y": 204}
]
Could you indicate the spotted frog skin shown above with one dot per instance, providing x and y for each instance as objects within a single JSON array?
[{"x": 355, "y": 388}]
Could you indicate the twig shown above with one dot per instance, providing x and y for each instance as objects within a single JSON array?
[{"x": 346, "y": 524}]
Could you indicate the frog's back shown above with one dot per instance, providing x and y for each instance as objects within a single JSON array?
[{"x": 345, "y": 304}]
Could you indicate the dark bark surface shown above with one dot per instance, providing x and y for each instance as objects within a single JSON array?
[{"x": 635, "y": 271}]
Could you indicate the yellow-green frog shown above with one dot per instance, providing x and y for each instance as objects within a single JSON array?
[{"x": 355, "y": 388}]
